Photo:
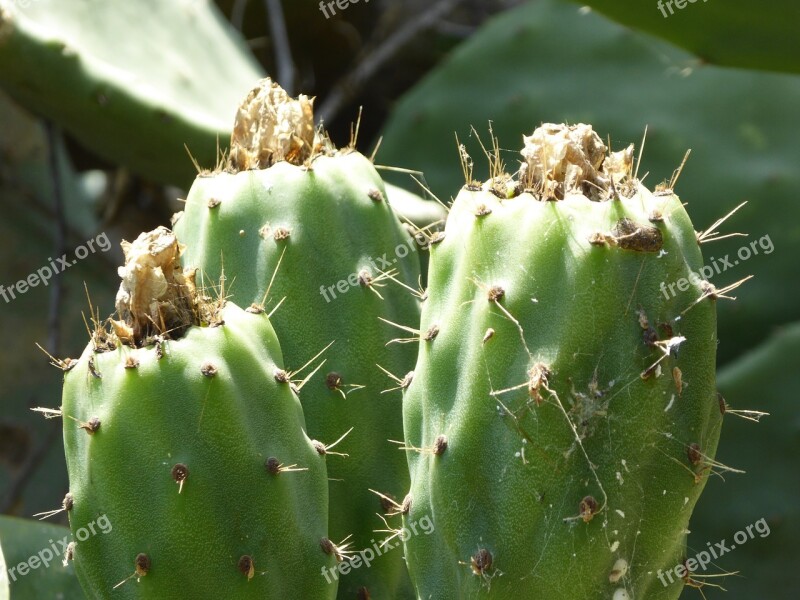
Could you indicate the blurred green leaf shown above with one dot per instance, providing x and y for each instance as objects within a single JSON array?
[
  {"x": 132, "y": 81},
  {"x": 731, "y": 33},
  {"x": 765, "y": 379},
  {"x": 32, "y": 543},
  {"x": 550, "y": 61}
]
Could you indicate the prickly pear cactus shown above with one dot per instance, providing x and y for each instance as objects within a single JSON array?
[
  {"x": 292, "y": 221},
  {"x": 563, "y": 417},
  {"x": 190, "y": 472}
]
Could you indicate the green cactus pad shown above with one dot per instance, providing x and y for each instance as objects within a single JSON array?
[
  {"x": 563, "y": 419},
  {"x": 295, "y": 222},
  {"x": 121, "y": 79},
  {"x": 713, "y": 31},
  {"x": 188, "y": 455}
]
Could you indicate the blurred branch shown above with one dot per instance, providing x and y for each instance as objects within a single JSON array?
[
  {"x": 237, "y": 13},
  {"x": 456, "y": 30},
  {"x": 350, "y": 85},
  {"x": 280, "y": 44},
  {"x": 60, "y": 239}
]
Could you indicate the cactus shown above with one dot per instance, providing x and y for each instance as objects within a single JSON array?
[
  {"x": 563, "y": 417},
  {"x": 295, "y": 222},
  {"x": 186, "y": 452},
  {"x": 497, "y": 74}
]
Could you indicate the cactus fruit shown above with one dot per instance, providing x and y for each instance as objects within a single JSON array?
[
  {"x": 562, "y": 422},
  {"x": 290, "y": 220},
  {"x": 186, "y": 449}
]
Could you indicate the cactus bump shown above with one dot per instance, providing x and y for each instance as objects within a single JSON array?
[
  {"x": 305, "y": 231},
  {"x": 185, "y": 442},
  {"x": 563, "y": 420}
]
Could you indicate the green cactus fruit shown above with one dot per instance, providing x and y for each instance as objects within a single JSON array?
[
  {"x": 190, "y": 472},
  {"x": 563, "y": 417},
  {"x": 293, "y": 221}
]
